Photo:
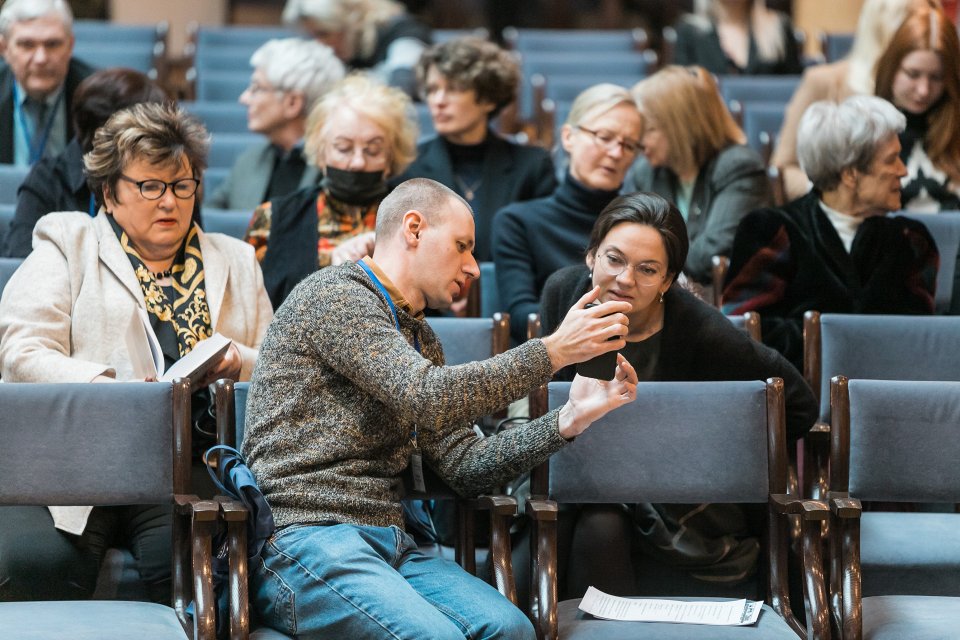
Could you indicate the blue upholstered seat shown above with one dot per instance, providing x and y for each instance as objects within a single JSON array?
[
  {"x": 10, "y": 178},
  {"x": 107, "y": 444},
  {"x": 645, "y": 451},
  {"x": 895, "y": 441},
  {"x": 231, "y": 223}
]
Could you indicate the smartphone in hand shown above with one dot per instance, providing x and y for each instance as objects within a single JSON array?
[{"x": 601, "y": 367}]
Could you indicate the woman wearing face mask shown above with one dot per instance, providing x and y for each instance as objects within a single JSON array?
[
  {"x": 637, "y": 249},
  {"x": 920, "y": 74},
  {"x": 359, "y": 134},
  {"x": 533, "y": 239}
]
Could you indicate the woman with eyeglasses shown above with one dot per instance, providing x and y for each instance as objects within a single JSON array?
[
  {"x": 533, "y": 239},
  {"x": 66, "y": 310},
  {"x": 695, "y": 155},
  {"x": 636, "y": 252},
  {"x": 359, "y": 134}
]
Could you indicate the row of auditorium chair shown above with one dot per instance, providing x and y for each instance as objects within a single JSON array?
[{"x": 900, "y": 437}]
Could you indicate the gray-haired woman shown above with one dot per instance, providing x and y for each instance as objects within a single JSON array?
[{"x": 834, "y": 250}]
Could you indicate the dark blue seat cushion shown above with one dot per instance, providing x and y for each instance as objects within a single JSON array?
[
  {"x": 576, "y": 625},
  {"x": 89, "y": 620},
  {"x": 913, "y": 617},
  {"x": 910, "y": 553}
]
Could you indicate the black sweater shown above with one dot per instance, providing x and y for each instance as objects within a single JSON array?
[
  {"x": 697, "y": 342},
  {"x": 533, "y": 239}
]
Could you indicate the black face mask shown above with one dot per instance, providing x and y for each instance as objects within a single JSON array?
[{"x": 354, "y": 187}]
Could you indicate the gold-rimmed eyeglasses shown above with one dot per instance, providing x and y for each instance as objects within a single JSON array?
[{"x": 610, "y": 141}]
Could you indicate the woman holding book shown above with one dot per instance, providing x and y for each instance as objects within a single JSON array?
[{"x": 65, "y": 312}]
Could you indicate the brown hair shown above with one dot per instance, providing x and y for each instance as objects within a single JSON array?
[
  {"x": 471, "y": 63},
  {"x": 927, "y": 29},
  {"x": 104, "y": 93},
  {"x": 685, "y": 104}
]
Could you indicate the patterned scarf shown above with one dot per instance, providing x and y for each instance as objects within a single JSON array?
[{"x": 183, "y": 322}]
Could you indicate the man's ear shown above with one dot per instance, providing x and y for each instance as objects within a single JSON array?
[
  {"x": 294, "y": 105},
  {"x": 413, "y": 224}
]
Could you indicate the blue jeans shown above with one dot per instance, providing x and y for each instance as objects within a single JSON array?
[{"x": 347, "y": 581}]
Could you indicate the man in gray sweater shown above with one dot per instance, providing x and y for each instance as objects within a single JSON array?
[{"x": 350, "y": 389}]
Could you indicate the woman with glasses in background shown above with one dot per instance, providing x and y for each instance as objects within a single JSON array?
[
  {"x": 66, "y": 310},
  {"x": 359, "y": 134},
  {"x": 637, "y": 249},
  {"x": 695, "y": 156},
  {"x": 533, "y": 239}
]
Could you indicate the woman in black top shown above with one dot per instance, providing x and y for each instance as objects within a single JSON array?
[{"x": 637, "y": 248}]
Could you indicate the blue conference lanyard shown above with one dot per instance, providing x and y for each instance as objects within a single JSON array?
[
  {"x": 92, "y": 209},
  {"x": 36, "y": 151},
  {"x": 396, "y": 322},
  {"x": 393, "y": 307}
]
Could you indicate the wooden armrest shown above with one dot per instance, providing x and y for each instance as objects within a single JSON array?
[
  {"x": 500, "y": 505},
  {"x": 542, "y": 510},
  {"x": 235, "y": 515},
  {"x": 231, "y": 510},
  {"x": 844, "y": 507},
  {"x": 198, "y": 510},
  {"x": 806, "y": 509}
]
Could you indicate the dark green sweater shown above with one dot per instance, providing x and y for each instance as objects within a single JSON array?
[{"x": 336, "y": 394}]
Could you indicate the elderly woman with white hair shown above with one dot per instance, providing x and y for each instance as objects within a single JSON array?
[
  {"x": 289, "y": 77},
  {"x": 835, "y": 250},
  {"x": 375, "y": 35}
]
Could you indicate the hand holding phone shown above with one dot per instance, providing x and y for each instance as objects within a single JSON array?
[{"x": 601, "y": 367}]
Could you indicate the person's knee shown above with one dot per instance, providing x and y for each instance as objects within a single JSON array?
[
  {"x": 509, "y": 623},
  {"x": 603, "y": 522}
]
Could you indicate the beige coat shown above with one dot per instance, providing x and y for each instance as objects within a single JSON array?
[
  {"x": 822, "y": 82},
  {"x": 64, "y": 313}
]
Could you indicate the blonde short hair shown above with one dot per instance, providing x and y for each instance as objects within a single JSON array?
[
  {"x": 156, "y": 133},
  {"x": 596, "y": 101},
  {"x": 686, "y": 105},
  {"x": 389, "y": 107}
]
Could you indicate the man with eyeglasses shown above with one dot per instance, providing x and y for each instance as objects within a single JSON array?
[
  {"x": 38, "y": 80},
  {"x": 289, "y": 76}
]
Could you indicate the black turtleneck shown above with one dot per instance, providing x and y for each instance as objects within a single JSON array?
[
  {"x": 915, "y": 131},
  {"x": 533, "y": 239},
  {"x": 466, "y": 162}
]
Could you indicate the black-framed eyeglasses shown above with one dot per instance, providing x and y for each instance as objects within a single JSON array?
[
  {"x": 154, "y": 189},
  {"x": 609, "y": 140}
]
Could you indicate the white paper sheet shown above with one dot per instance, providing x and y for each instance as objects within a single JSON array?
[{"x": 727, "y": 613}]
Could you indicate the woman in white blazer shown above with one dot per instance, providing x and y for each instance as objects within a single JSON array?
[{"x": 65, "y": 312}]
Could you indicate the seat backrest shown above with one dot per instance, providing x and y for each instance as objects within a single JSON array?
[
  {"x": 7, "y": 267},
  {"x": 231, "y": 223},
  {"x": 224, "y": 86},
  {"x": 746, "y": 89},
  {"x": 101, "y": 31},
  {"x": 902, "y": 440},
  {"x": 762, "y": 117},
  {"x": 94, "y": 444},
  {"x": 835, "y": 45},
  {"x": 471, "y": 339},
  {"x": 882, "y": 347},
  {"x": 749, "y": 323},
  {"x": 564, "y": 40},
  {"x": 225, "y": 147},
  {"x": 945, "y": 229},
  {"x": 678, "y": 442},
  {"x": 11, "y": 176},
  {"x": 489, "y": 293},
  {"x": 219, "y": 117},
  {"x": 142, "y": 56}
]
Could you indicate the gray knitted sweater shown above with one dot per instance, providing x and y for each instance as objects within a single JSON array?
[{"x": 337, "y": 391}]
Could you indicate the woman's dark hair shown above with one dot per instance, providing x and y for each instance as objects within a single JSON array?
[
  {"x": 104, "y": 93},
  {"x": 653, "y": 211}
]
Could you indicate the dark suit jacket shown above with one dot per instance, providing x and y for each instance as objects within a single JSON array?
[
  {"x": 249, "y": 178},
  {"x": 77, "y": 71},
  {"x": 729, "y": 186},
  {"x": 791, "y": 260},
  {"x": 511, "y": 173}
]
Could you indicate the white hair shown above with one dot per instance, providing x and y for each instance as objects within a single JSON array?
[
  {"x": 15, "y": 11},
  {"x": 833, "y": 137},
  {"x": 295, "y": 64}
]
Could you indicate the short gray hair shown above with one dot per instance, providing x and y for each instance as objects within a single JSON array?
[
  {"x": 833, "y": 137},
  {"x": 296, "y": 64},
  {"x": 422, "y": 194},
  {"x": 15, "y": 11}
]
